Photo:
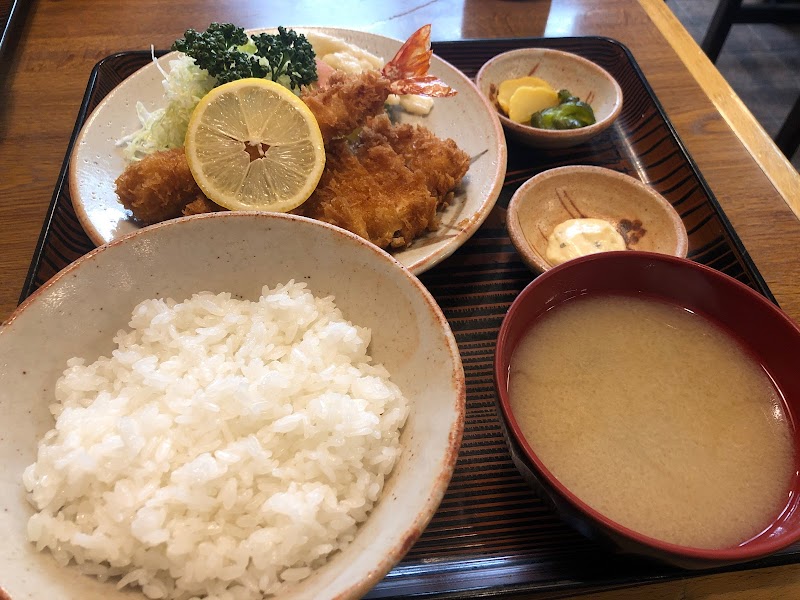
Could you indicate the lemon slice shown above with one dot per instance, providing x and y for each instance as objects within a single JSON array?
[{"x": 253, "y": 145}]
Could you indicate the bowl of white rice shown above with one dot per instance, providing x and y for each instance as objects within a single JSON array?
[{"x": 231, "y": 406}]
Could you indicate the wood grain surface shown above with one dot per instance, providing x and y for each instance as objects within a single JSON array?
[
  {"x": 757, "y": 141},
  {"x": 42, "y": 81}
]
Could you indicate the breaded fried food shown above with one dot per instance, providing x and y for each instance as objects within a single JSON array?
[
  {"x": 200, "y": 206},
  {"x": 440, "y": 162},
  {"x": 388, "y": 184},
  {"x": 369, "y": 190},
  {"x": 345, "y": 101},
  {"x": 160, "y": 187}
]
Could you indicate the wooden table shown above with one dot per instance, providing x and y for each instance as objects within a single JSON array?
[{"x": 43, "y": 77}]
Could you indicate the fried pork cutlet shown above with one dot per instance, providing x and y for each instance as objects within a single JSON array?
[
  {"x": 387, "y": 185},
  {"x": 370, "y": 191},
  {"x": 345, "y": 101},
  {"x": 441, "y": 162},
  {"x": 161, "y": 187}
]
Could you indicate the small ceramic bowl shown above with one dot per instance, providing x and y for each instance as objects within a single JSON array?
[
  {"x": 642, "y": 216},
  {"x": 757, "y": 323},
  {"x": 562, "y": 70},
  {"x": 78, "y": 311}
]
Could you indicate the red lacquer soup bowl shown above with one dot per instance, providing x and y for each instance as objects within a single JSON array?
[{"x": 765, "y": 331}]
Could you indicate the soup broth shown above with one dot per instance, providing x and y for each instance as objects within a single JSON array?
[{"x": 656, "y": 418}]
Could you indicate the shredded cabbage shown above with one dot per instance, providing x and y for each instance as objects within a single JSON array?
[{"x": 164, "y": 128}]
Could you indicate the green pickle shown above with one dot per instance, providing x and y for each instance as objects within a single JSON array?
[{"x": 571, "y": 113}]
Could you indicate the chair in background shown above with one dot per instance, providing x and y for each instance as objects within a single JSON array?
[
  {"x": 730, "y": 12},
  {"x": 788, "y": 138}
]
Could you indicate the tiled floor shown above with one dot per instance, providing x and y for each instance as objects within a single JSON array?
[{"x": 761, "y": 62}]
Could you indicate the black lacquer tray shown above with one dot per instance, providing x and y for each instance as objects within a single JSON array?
[{"x": 491, "y": 534}]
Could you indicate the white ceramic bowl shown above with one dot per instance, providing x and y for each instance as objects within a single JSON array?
[
  {"x": 77, "y": 312},
  {"x": 562, "y": 70}
]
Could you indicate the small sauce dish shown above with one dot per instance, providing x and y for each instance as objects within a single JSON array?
[{"x": 643, "y": 218}]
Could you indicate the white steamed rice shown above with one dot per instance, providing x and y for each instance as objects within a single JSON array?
[{"x": 224, "y": 450}]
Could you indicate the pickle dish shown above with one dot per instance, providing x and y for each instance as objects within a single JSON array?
[{"x": 584, "y": 80}]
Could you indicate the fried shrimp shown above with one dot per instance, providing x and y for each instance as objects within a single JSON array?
[
  {"x": 346, "y": 101},
  {"x": 342, "y": 103}
]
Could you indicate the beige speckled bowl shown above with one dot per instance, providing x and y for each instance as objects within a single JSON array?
[
  {"x": 562, "y": 70},
  {"x": 77, "y": 312},
  {"x": 553, "y": 196}
]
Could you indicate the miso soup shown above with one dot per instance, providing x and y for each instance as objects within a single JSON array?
[{"x": 655, "y": 417}]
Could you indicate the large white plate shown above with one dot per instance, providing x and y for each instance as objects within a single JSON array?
[{"x": 467, "y": 118}]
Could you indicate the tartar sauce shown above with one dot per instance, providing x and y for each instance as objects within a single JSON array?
[{"x": 579, "y": 237}]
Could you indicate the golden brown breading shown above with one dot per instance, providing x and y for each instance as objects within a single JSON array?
[
  {"x": 387, "y": 185},
  {"x": 158, "y": 187},
  {"x": 440, "y": 162},
  {"x": 345, "y": 101},
  {"x": 370, "y": 191},
  {"x": 200, "y": 206}
]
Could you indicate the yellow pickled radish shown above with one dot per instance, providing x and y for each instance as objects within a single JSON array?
[
  {"x": 528, "y": 100},
  {"x": 509, "y": 86}
]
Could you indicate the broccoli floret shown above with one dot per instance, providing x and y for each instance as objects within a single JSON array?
[
  {"x": 287, "y": 53},
  {"x": 218, "y": 50}
]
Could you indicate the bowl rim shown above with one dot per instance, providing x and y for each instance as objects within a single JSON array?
[
  {"x": 408, "y": 534},
  {"x": 582, "y": 132},
  {"x": 147, "y": 230},
  {"x": 538, "y": 262},
  {"x": 745, "y": 551}
]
